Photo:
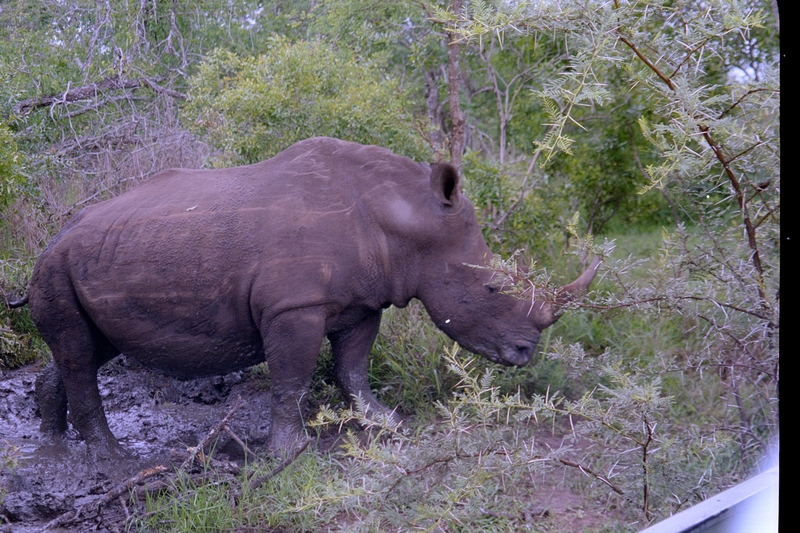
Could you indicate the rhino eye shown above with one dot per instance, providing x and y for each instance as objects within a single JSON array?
[{"x": 491, "y": 288}]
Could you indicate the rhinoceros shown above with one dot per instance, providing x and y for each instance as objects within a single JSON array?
[{"x": 202, "y": 272}]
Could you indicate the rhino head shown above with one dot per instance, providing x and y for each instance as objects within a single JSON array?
[{"x": 462, "y": 301}]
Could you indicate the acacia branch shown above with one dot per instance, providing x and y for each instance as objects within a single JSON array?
[
  {"x": 647, "y": 62},
  {"x": 737, "y": 187},
  {"x": 655, "y": 299},
  {"x": 689, "y": 55},
  {"x": 725, "y": 162},
  {"x": 741, "y": 99}
]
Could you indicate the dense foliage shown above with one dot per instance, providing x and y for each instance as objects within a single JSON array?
[
  {"x": 655, "y": 122},
  {"x": 252, "y": 108}
]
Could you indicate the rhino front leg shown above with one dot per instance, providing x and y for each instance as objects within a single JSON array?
[
  {"x": 291, "y": 343},
  {"x": 350, "y": 352}
]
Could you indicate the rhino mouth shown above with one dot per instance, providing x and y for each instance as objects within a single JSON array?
[
  {"x": 516, "y": 354},
  {"x": 507, "y": 352}
]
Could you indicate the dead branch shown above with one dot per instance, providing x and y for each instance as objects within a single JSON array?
[
  {"x": 110, "y": 83},
  {"x": 215, "y": 431},
  {"x": 119, "y": 490},
  {"x": 300, "y": 448},
  {"x": 91, "y": 510},
  {"x": 240, "y": 442}
]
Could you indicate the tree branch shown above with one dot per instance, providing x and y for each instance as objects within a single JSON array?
[{"x": 647, "y": 62}]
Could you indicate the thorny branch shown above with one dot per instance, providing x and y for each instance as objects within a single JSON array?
[
  {"x": 647, "y": 62},
  {"x": 751, "y": 231},
  {"x": 656, "y": 299},
  {"x": 741, "y": 99}
]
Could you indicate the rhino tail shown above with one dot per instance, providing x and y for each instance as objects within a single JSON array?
[{"x": 13, "y": 304}]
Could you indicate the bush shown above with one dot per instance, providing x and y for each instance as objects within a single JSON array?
[{"x": 251, "y": 108}]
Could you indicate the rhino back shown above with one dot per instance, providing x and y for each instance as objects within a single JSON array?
[{"x": 190, "y": 262}]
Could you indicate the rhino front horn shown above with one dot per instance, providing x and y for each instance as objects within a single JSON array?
[{"x": 551, "y": 312}]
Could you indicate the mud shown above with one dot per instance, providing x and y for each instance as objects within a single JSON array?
[{"x": 155, "y": 417}]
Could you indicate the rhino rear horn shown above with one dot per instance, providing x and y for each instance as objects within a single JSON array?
[
  {"x": 445, "y": 183},
  {"x": 551, "y": 312}
]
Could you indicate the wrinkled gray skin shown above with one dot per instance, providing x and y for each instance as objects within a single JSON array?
[{"x": 203, "y": 272}]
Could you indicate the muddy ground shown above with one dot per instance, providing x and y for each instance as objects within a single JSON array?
[
  {"x": 157, "y": 418},
  {"x": 154, "y": 416}
]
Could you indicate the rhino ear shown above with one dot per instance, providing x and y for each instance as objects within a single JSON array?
[{"x": 445, "y": 183}]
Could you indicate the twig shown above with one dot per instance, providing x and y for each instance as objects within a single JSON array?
[
  {"x": 125, "y": 508},
  {"x": 741, "y": 99},
  {"x": 91, "y": 509},
  {"x": 300, "y": 448},
  {"x": 215, "y": 431},
  {"x": 587, "y": 470}
]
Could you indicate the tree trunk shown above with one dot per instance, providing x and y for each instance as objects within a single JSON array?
[
  {"x": 453, "y": 75},
  {"x": 434, "y": 110}
]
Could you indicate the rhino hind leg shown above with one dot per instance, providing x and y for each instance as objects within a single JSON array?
[
  {"x": 350, "y": 359},
  {"x": 52, "y": 399},
  {"x": 79, "y": 350}
]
